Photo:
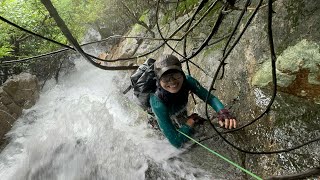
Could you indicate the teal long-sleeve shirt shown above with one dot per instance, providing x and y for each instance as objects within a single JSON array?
[{"x": 163, "y": 113}]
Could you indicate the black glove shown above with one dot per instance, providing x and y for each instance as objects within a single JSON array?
[
  {"x": 226, "y": 120},
  {"x": 224, "y": 114},
  {"x": 197, "y": 119}
]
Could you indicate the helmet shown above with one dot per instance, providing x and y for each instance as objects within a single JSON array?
[{"x": 165, "y": 63}]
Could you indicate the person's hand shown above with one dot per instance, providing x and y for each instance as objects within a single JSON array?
[
  {"x": 226, "y": 120},
  {"x": 196, "y": 118}
]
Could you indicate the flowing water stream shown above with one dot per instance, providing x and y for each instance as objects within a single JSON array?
[{"x": 84, "y": 128}]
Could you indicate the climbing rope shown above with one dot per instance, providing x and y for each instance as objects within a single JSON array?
[
  {"x": 273, "y": 62},
  {"x": 65, "y": 49},
  {"x": 66, "y": 46},
  {"x": 205, "y": 43},
  {"x": 165, "y": 40},
  {"x": 226, "y": 53},
  {"x": 63, "y": 27},
  {"x": 309, "y": 173},
  {"x": 222, "y": 157}
]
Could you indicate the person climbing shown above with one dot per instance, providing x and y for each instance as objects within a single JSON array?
[{"x": 169, "y": 101}]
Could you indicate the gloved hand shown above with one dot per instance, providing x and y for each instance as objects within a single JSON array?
[
  {"x": 226, "y": 120},
  {"x": 196, "y": 118}
]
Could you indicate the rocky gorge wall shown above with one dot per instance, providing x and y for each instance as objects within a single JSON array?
[
  {"x": 247, "y": 87},
  {"x": 17, "y": 93}
]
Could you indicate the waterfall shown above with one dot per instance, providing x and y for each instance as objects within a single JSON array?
[{"x": 85, "y": 128}]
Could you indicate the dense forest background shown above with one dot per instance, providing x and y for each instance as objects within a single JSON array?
[{"x": 111, "y": 17}]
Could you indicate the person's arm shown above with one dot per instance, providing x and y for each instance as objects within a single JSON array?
[
  {"x": 202, "y": 93},
  {"x": 165, "y": 123},
  {"x": 225, "y": 119}
]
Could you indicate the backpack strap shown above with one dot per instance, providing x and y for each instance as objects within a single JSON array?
[{"x": 127, "y": 90}]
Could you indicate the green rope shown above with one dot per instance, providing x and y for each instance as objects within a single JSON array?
[{"x": 222, "y": 157}]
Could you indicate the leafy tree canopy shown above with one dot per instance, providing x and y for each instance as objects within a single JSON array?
[{"x": 33, "y": 16}]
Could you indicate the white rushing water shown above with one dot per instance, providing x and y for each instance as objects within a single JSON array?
[{"x": 84, "y": 128}]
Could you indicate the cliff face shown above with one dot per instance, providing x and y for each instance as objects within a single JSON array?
[
  {"x": 294, "y": 116},
  {"x": 247, "y": 87},
  {"x": 17, "y": 93}
]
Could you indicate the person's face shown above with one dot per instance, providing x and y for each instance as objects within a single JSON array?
[{"x": 172, "y": 82}]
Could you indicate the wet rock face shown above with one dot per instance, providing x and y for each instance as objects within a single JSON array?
[
  {"x": 298, "y": 71},
  {"x": 294, "y": 115},
  {"x": 129, "y": 46},
  {"x": 18, "y": 93},
  {"x": 292, "y": 121},
  {"x": 8, "y": 105},
  {"x": 9, "y": 111},
  {"x": 247, "y": 86},
  {"x": 23, "y": 89}
]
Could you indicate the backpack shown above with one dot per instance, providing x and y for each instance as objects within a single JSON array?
[{"x": 143, "y": 82}]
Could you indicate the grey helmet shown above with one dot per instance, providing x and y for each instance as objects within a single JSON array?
[{"x": 165, "y": 63}]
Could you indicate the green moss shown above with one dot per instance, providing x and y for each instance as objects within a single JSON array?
[
  {"x": 186, "y": 6},
  {"x": 294, "y": 9},
  {"x": 214, "y": 11},
  {"x": 313, "y": 78},
  {"x": 304, "y": 55},
  {"x": 293, "y": 22},
  {"x": 144, "y": 16},
  {"x": 263, "y": 76},
  {"x": 213, "y": 48},
  {"x": 137, "y": 29}
]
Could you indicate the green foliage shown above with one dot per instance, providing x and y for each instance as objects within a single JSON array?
[
  {"x": 116, "y": 17},
  {"x": 32, "y": 15},
  {"x": 5, "y": 51},
  {"x": 27, "y": 14},
  {"x": 183, "y": 8},
  {"x": 79, "y": 15},
  {"x": 144, "y": 16},
  {"x": 186, "y": 6}
]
